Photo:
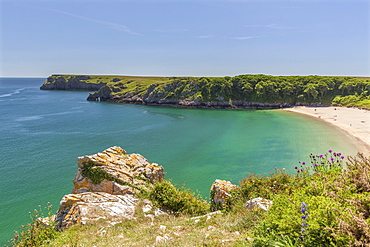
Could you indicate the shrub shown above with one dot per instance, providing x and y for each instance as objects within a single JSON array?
[{"x": 167, "y": 196}]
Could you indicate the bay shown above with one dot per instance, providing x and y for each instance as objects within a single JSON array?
[{"x": 43, "y": 133}]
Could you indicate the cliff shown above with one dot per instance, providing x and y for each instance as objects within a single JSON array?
[
  {"x": 243, "y": 91},
  {"x": 73, "y": 83}
]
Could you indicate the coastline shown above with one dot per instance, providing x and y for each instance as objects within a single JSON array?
[{"x": 354, "y": 121}]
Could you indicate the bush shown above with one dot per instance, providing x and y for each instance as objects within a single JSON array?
[{"x": 167, "y": 196}]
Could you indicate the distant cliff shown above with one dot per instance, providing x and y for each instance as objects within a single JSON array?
[
  {"x": 243, "y": 91},
  {"x": 73, "y": 83}
]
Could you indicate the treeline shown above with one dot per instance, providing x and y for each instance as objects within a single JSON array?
[{"x": 265, "y": 88}]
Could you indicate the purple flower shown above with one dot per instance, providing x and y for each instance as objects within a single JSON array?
[
  {"x": 314, "y": 165},
  {"x": 330, "y": 151},
  {"x": 295, "y": 167},
  {"x": 303, "y": 163},
  {"x": 342, "y": 157},
  {"x": 331, "y": 159},
  {"x": 321, "y": 156}
]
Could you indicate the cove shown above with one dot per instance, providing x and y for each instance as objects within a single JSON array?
[{"x": 43, "y": 133}]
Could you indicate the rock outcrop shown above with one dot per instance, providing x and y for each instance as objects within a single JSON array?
[
  {"x": 220, "y": 192},
  {"x": 88, "y": 207},
  {"x": 115, "y": 172},
  {"x": 105, "y": 186},
  {"x": 72, "y": 83},
  {"x": 103, "y": 94},
  {"x": 258, "y": 203}
]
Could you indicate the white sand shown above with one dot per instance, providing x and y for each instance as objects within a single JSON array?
[{"x": 354, "y": 121}]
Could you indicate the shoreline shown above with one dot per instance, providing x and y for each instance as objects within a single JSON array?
[{"x": 354, "y": 121}]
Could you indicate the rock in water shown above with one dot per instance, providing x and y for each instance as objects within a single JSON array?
[
  {"x": 89, "y": 206},
  {"x": 115, "y": 172},
  {"x": 220, "y": 192}
]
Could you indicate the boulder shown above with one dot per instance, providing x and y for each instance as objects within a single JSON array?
[
  {"x": 91, "y": 206},
  {"x": 220, "y": 192},
  {"x": 115, "y": 172},
  {"x": 258, "y": 202}
]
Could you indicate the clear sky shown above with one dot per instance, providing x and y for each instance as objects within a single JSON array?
[{"x": 184, "y": 37}]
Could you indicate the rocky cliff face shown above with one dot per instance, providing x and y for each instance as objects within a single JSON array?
[
  {"x": 78, "y": 83},
  {"x": 154, "y": 95},
  {"x": 105, "y": 186}
]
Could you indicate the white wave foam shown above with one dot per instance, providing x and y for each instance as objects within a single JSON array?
[{"x": 10, "y": 94}]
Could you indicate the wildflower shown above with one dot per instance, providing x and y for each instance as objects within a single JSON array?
[
  {"x": 295, "y": 167},
  {"x": 314, "y": 165},
  {"x": 304, "y": 217},
  {"x": 303, "y": 163},
  {"x": 330, "y": 151},
  {"x": 342, "y": 157}
]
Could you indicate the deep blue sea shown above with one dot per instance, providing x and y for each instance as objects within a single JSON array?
[{"x": 43, "y": 133}]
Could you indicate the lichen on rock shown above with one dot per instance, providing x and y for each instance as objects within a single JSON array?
[
  {"x": 91, "y": 206},
  {"x": 105, "y": 187},
  {"x": 115, "y": 172},
  {"x": 220, "y": 192}
]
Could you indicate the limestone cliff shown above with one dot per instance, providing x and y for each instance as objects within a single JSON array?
[
  {"x": 244, "y": 91},
  {"x": 72, "y": 83},
  {"x": 105, "y": 187}
]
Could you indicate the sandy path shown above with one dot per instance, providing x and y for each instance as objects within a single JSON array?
[{"x": 352, "y": 120}]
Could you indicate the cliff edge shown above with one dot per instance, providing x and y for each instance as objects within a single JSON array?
[
  {"x": 105, "y": 187},
  {"x": 71, "y": 83}
]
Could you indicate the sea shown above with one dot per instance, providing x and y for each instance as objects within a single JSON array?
[{"x": 43, "y": 132}]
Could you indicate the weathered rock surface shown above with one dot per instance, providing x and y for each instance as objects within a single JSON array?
[
  {"x": 220, "y": 192},
  {"x": 105, "y": 185},
  {"x": 77, "y": 83},
  {"x": 258, "y": 202},
  {"x": 91, "y": 206},
  {"x": 103, "y": 94},
  {"x": 115, "y": 172}
]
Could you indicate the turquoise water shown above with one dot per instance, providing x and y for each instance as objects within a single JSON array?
[{"x": 43, "y": 132}]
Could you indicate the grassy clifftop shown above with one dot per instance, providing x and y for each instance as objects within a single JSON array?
[{"x": 237, "y": 91}]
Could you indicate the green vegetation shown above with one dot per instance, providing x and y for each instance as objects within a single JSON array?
[
  {"x": 326, "y": 203},
  {"x": 37, "y": 233},
  {"x": 342, "y": 91},
  {"x": 179, "y": 201}
]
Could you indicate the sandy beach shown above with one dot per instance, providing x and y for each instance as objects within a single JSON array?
[{"x": 354, "y": 121}]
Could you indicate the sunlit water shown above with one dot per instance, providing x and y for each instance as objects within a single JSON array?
[{"x": 43, "y": 132}]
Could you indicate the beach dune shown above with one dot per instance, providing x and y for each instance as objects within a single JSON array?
[{"x": 354, "y": 121}]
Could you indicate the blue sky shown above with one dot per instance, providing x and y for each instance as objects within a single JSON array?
[{"x": 184, "y": 37}]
